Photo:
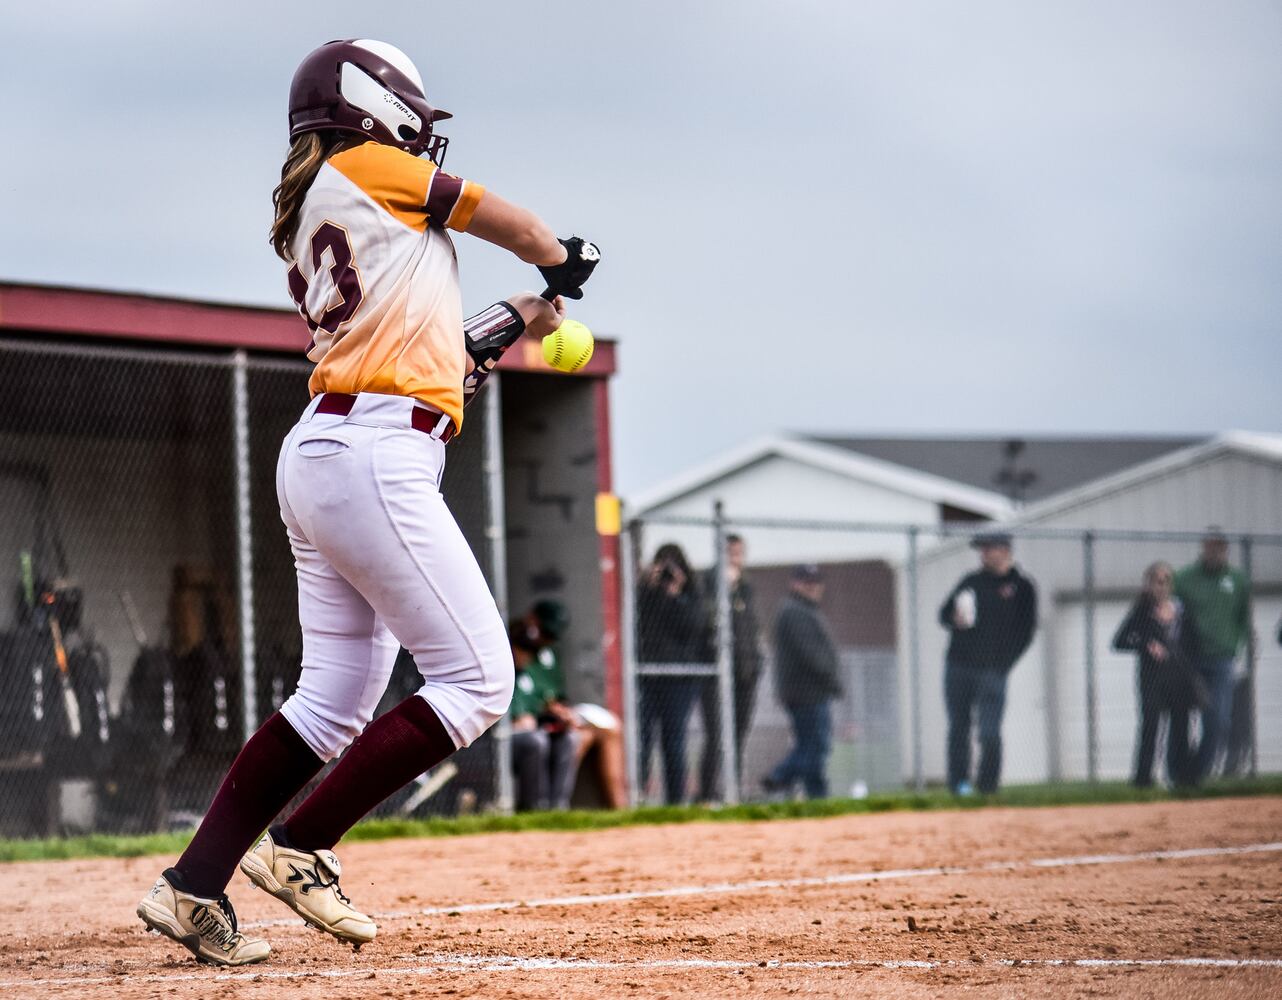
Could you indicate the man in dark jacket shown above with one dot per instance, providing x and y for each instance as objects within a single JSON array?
[
  {"x": 992, "y": 615},
  {"x": 807, "y": 679},
  {"x": 746, "y": 669}
]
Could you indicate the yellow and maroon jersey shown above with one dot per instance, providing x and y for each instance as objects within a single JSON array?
[{"x": 375, "y": 276}]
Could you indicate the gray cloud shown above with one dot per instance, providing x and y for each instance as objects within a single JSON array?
[{"x": 921, "y": 216}]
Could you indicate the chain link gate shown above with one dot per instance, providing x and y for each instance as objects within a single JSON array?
[{"x": 701, "y": 728}]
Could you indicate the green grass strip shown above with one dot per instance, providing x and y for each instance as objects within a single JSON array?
[{"x": 110, "y": 846}]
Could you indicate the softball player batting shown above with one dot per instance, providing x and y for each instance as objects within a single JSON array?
[{"x": 361, "y": 221}]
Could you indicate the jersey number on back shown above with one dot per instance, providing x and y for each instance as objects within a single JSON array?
[{"x": 344, "y": 279}]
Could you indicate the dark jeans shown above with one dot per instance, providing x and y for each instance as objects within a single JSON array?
[
  {"x": 1163, "y": 693},
  {"x": 745, "y": 699},
  {"x": 543, "y": 763},
  {"x": 807, "y": 761},
  {"x": 666, "y": 704},
  {"x": 1237, "y": 755},
  {"x": 982, "y": 692},
  {"x": 1217, "y": 675}
]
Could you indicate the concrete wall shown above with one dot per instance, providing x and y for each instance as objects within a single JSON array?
[{"x": 550, "y": 479}]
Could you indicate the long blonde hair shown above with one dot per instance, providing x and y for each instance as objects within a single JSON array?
[
  {"x": 308, "y": 152},
  {"x": 1150, "y": 574}
]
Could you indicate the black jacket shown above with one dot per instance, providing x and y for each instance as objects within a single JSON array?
[
  {"x": 1005, "y": 620},
  {"x": 1140, "y": 627},
  {"x": 671, "y": 629},
  {"x": 807, "y": 670},
  {"x": 743, "y": 624}
]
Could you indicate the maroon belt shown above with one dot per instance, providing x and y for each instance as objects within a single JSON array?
[{"x": 422, "y": 418}]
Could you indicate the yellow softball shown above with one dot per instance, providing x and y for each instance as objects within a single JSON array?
[{"x": 569, "y": 347}]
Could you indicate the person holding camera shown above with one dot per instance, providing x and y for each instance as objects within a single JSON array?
[{"x": 673, "y": 656}]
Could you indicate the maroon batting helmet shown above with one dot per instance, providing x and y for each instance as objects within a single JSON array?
[{"x": 360, "y": 85}]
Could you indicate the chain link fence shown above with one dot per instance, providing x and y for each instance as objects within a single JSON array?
[
  {"x": 771, "y": 659},
  {"x": 148, "y": 621},
  {"x": 151, "y": 620}
]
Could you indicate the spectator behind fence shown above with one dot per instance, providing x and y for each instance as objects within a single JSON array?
[
  {"x": 596, "y": 726},
  {"x": 992, "y": 615},
  {"x": 544, "y": 743},
  {"x": 807, "y": 679},
  {"x": 1160, "y": 630},
  {"x": 673, "y": 657},
  {"x": 1217, "y": 597},
  {"x": 746, "y": 669},
  {"x": 592, "y": 726}
]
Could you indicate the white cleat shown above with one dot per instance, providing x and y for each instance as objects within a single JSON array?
[
  {"x": 205, "y": 927},
  {"x": 307, "y": 882}
]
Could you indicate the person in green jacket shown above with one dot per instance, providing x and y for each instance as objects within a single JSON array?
[{"x": 1220, "y": 602}]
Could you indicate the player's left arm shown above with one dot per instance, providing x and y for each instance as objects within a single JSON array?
[
  {"x": 489, "y": 333},
  {"x": 517, "y": 230},
  {"x": 565, "y": 264}
]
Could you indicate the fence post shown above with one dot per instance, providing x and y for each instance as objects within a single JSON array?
[
  {"x": 914, "y": 659},
  {"x": 629, "y": 545},
  {"x": 1251, "y": 653},
  {"x": 1092, "y": 691},
  {"x": 496, "y": 543},
  {"x": 725, "y": 661},
  {"x": 244, "y": 543}
]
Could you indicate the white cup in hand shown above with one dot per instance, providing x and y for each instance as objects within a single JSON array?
[{"x": 964, "y": 609}]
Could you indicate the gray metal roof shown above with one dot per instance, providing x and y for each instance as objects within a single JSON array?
[{"x": 1058, "y": 463}]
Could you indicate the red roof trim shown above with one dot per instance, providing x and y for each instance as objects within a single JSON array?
[{"x": 157, "y": 319}]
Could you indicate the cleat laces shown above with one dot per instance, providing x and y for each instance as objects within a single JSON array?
[
  {"x": 226, "y": 939},
  {"x": 333, "y": 884},
  {"x": 327, "y": 864}
]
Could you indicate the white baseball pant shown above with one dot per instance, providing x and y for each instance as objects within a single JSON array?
[{"x": 381, "y": 564}]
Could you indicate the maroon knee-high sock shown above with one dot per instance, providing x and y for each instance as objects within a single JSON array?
[
  {"x": 395, "y": 749},
  {"x": 269, "y": 771}
]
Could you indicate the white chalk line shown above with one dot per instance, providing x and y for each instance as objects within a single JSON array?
[
  {"x": 448, "y": 963},
  {"x": 442, "y": 964},
  {"x": 758, "y": 885}
]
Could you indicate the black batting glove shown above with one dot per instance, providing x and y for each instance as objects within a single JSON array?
[{"x": 567, "y": 278}]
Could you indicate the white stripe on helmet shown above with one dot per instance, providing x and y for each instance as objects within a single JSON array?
[{"x": 396, "y": 57}]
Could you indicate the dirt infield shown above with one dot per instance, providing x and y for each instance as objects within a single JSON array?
[{"x": 1167, "y": 899}]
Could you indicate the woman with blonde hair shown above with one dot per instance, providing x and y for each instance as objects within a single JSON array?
[{"x": 1160, "y": 631}]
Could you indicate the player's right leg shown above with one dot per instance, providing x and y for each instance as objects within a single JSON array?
[
  {"x": 415, "y": 568},
  {"x": 367, "y": 495},
  {"x": 348, "y": 654}
]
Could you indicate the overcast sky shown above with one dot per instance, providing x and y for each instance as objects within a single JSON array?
[{"x": 845, "y": 217}]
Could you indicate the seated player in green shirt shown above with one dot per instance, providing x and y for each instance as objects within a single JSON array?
[{"x": 549, "y": 736}]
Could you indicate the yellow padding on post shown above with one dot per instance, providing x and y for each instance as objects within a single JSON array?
[{"x": 609, "y": 518}]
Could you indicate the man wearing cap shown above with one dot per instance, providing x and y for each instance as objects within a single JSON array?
[
  {"x": 807, "y": 679},
  {"x": 992, "y": 614},
  {"x": 1218, "y": 597},
  {"x": 746, "y": 664}
]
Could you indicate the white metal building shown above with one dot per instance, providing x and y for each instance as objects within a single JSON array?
[
  {"x": 884, "y": 484},
  {"x": 799, "y": 479},
  {"x": 1234, "y": 481}
]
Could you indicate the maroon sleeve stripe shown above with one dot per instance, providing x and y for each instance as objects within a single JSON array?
[{"x": 442, "y": 195}]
